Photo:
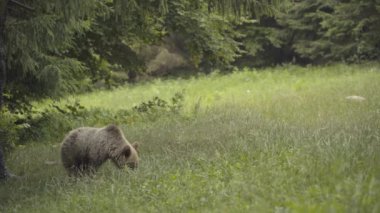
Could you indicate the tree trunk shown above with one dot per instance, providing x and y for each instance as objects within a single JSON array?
[
  {"x": 3, "y": 170},
  {"x": 3, "y": 10}
]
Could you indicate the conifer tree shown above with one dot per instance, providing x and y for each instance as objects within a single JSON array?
[
  {"x": 31, "y": 37},
  {"x": 352, "y": 31},
  {"x": 302, "y": 24},
  {"x": 318, "y": 31},
  {"x": 328, "y": 30}
]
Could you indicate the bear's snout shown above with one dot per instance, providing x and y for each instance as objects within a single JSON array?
[{"x": 132, "y": 165}]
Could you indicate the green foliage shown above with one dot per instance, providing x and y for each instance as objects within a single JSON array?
[
  {"x": 36, "y": 42},
  {"x": 57, "y": 119},
  {"x": 252, "y": 8},
  {"x": 53, "y": 47},
  {"x": 262, "y": 41},
  {"x": 352, "y": 31},
  {"x": 51, "y": 123},
  {"x": 208, "y": 39},
  {"x": 303, "y": 23},
  {"x": 158, "y": 105},
  {"x": 8, "y": 131},
  {"x": 108, "y": 45},
  {"x": 316, "y": 31}
]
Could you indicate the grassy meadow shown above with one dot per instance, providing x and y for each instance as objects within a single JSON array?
[{"x": 282, "y": 139}]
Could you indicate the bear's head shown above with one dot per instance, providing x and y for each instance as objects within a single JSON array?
[
  {"x": 127, "y": 156},
  {"x": 132, "y": 158},
  {"x": 125, "y": 153}
]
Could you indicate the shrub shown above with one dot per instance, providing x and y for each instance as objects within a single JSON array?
[
  {"x": 55, "y": 121},
  {"x": 8, "y": 130}
]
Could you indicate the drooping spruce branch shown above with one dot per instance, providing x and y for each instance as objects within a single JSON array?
[{"x": 20, "y": 4}]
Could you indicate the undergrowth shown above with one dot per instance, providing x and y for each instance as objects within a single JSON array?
[{"x": 56, "y": 120}]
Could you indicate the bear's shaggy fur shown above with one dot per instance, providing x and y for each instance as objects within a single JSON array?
[{"x": 85, "y": 149}]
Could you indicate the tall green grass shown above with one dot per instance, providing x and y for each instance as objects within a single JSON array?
[
  {"x": 278, "y": 140},
  {"x": 241, "y": 87}
]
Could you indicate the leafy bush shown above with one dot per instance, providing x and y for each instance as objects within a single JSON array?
[
  {"x": 8, "y": 130},
  {"x": 56, "y": 120},
  {"x": 159, "y": 105},
  {"x": 52, "y": 123}
]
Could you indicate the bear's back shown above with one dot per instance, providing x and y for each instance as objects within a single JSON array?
[{"x": 79, "y": 138}]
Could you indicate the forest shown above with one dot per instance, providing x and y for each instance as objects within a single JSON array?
[{"x": 237, "y": 105}]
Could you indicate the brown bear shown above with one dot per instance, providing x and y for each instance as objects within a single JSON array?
[{"x": 85, "y": 149}]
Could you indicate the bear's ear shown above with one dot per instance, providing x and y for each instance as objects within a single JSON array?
[
  {"x": 113, "y": 128},
  {"x": 135, "y": 145},
  {"x": 127, "y": 151}
]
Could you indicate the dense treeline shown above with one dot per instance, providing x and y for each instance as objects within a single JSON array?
[
  {"x": 53, "y": 49},
  {"x": 58, "y": 47},
  {"x": 316, "y": 32}
]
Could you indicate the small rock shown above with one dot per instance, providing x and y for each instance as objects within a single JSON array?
[{"x": 355, "y": 98}]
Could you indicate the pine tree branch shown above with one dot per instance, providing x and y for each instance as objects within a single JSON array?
[{"x": 19, "y": 4}]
